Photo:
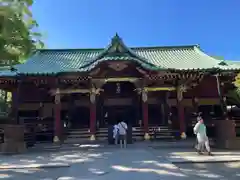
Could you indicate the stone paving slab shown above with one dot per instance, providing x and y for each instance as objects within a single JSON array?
[
  {"x": 32, "y": 166},
  {"x": 193, "y": 157}
]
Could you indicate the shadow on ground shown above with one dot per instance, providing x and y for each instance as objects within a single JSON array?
[
  {"x": 229, "y": 171},
  {"x": 114, "y": 163}
]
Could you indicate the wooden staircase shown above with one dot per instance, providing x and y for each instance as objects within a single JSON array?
[
  {"x": 83, "y": 135},
  {"x": 77, "y": 135}
]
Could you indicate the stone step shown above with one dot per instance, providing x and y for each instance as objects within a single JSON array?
[{"x": 79, "y": 135}]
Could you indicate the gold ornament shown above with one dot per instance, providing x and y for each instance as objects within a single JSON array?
[
  {"x": 183, "y": 135},
  {"x": 92, "y": 97},
  {"x": 56, "y": 139},
  {"x": 92, "y": 137},
  {"x": 180, "y": 90},
  {"x": 57, "y": 99},
  {"x": 224, "y": 99},
  {"x": 196, "y": 100},
  {"x": 146, "y": 136},
  {"x": 144, "y": 96}
]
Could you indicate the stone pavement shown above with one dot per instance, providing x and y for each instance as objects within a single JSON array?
[
  {"x": 206, "y": 171},
  {"x": 140, "y": 161},
  {"x": 183, "y": 152},
  {"x": 193, "y": 157}
]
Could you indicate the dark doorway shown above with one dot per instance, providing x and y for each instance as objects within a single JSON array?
[
  {"x": 79, "y": 117},
  {"x": 119, "y": 102},
  {"x": 114, "y": 114},
  {"x": 155, "y": 115}
]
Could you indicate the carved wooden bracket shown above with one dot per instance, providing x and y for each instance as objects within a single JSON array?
[
  {"x": 57, "y": 96},
  {"x": 144, "y": 96},
  {"x": 180, "y": 90},
  {"x": 92, "y": 97},
  {"x": 98, "y": 83}
]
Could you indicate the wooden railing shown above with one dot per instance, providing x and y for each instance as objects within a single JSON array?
[{"x": 38, "y": 129}]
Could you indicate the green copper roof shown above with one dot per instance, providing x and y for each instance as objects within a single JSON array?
[
  {"x": 5, "y": 71},
  {"x": 152, "y": 58}
]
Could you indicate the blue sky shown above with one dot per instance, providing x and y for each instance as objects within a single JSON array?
[{"x": 214, "y": 24}]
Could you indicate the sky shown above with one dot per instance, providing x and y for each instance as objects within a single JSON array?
[{"x": 213, "y": 24}]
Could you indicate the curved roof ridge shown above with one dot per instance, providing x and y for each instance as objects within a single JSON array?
[
  {"x": 117, "y": 40},
  {"x": 220, "y": 64},
  {"x": 72, "y": 49},
  {"x": 202, "y": 53},
  {"x": 164, "y": 47}
]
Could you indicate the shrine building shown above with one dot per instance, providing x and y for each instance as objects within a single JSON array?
[{"x": 60, "y": 90}]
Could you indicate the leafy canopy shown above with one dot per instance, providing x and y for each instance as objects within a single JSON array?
[{"x": 18, "y": 31}]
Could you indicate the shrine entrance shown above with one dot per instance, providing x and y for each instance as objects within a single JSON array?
[{"x": 119, "y": 102}]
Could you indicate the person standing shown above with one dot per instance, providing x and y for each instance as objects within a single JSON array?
[
  {"x": 123, "y": 133},
  {"x": 116, "y": 133},
  {"x": 202, "y": 139}
]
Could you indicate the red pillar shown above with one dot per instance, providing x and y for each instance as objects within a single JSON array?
[
  {"x": 57, "y": 115},
  {"x": 145, "y": 115},
  {"x": 181, "y": 118},
  {"x": 14, "y": 105},
  {"x": 92, "y": 116},
  {"x": 181, "y": 115}
]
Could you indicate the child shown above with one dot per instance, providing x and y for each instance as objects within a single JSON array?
[{"x": 115, "y": 133}]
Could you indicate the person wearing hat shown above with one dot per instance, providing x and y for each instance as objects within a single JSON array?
[{"x": 202, "y": 139}]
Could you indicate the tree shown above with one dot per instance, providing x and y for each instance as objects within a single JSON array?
[
  {"x": 18, "y": 31},
  {"x": 234, "y": 95}
]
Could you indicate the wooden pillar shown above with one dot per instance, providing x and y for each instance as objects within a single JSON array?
[
  {"x": 57, "y": 116},
  {"x": 195, "y": 100},
  {"x": 181, "y": 117},
  {"x": 14, "y": 105},
  {"x": 145, "y": 114},
  {"x": 92, "y": 116},
  {"x": 16, "y": 101},
  {"x": 181, "y": 114},
  {"x": 220, "y": 89}
]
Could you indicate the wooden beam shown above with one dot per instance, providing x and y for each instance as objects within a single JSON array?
[
  {"x": 124, "y": 79},
  {"x": 68, "y": 91}
]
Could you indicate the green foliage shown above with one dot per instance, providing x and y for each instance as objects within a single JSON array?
[
  {"x": 234, "y": 96},
  {"x": 5, "y": 101},
  {"x": 18, "y": 31}
]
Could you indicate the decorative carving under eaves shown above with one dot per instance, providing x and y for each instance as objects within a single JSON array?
[{"x": 117, "y": 66}]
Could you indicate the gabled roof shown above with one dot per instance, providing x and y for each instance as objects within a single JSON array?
[{"x": 152, "y": 58}]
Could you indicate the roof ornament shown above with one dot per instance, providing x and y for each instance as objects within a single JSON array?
[{"x": 116, "y": 38}]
